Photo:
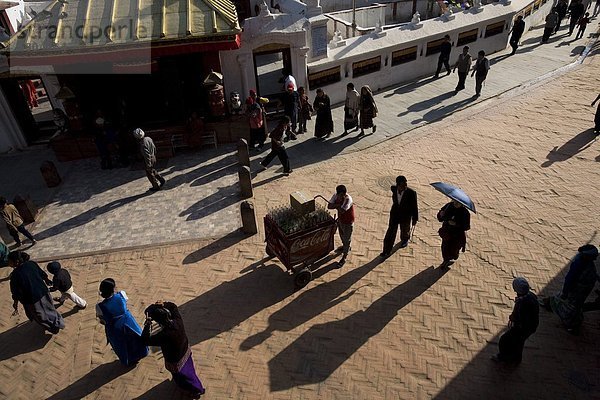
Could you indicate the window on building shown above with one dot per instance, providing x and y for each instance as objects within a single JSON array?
[
  {"x": 494, "y": 29},
  {"x": 434, "y": 46},
  {"x": 366, "y": 67},
  {"x": 527, "y": 11},
  {"x": 467, "y": 37},
  {"x": 404, "y": 55},
  {"x": 537, "y": 5},
  {"x": 324, "y": 78}
]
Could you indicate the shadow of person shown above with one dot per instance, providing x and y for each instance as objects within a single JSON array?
[
  {"x": 304, "y": 363},
  {"x": 231, "y": 303},
  {"x": 87, "y": 216},
  {"x": 92, "y": 381},
  {"x": 575, "y": 145},
  {"x": 224, "y": 197},
  {"x": 165, "y": 390},
  {"x": 22, "y": 339},
  {"x": 214, "y": 247},
  {"x": 443, "y": 111},
  {"x": 311, "y": 303},
  {"x": 409, "y": 87}
]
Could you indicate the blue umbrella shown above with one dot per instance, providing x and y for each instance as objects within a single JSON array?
[{"x": 455, "y": 194}]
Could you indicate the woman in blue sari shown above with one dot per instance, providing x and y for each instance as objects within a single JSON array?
[{"x": 122, "y": 331}]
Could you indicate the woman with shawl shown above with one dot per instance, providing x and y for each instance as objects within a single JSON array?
[
  {"x": 324, "y": 122},
  {"x": 368, "y": 110}
]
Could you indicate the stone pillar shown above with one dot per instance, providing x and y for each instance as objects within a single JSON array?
[
  {"x": 26, "y": 208},
  {"x": 244, "y": 63},
  {"x": 243, "y": 153},
  {"x": 50, "y": 174},
  {"x": 245, "y": 181},
  {"x": 248, "y": 217}
]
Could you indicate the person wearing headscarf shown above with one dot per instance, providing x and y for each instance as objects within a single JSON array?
[
  {"x": 122, "y": 331},
  {"x": 579, "y": 283},
  {"x": 351, "y": 108},
  {"x": 456, "y": 220},
  {"x": 170, "y": 335},
  {"x": 522, "y": 323},
  {"x": 28, "y": 285},
  {"x": 368, "y": 110},
  {"x": 324, "y": 122}
]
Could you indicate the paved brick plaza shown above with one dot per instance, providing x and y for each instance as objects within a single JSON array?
[{"x": 393, "y": 330}]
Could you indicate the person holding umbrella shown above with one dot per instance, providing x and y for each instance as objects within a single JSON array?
[{"x": 456, "y": 220}]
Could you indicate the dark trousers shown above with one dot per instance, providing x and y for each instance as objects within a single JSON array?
[
  {"x": 443, "y": 61},
  {"x": 302, "y": 122},
  {"x": 392, "y": 232},
  {"x": 572, "y": 24},
  {"x": 257, "y": 136},
  {"x": 479, "y": 79},
  {"x": 547, "y": 32},
  {"x": 15, "y": 233},
  {"x": 154, "y": 177},
  {"x": 293, "y": 114},
  {"x": 462, "y": 77},
  {"x": 281, "y": 154},
  {"x": 558, "y": 23},
  {"x": 514, "y": 43},
  {"x": 580, "y": 32},
  {"x": 511, "y": 345}
]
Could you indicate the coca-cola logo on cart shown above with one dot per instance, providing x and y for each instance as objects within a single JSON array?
[{"x": 309, "y": 241}]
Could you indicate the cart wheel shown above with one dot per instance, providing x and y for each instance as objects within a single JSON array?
[
  {"x": 269, "y": 252},
  {"x": 302, "y": 278}
]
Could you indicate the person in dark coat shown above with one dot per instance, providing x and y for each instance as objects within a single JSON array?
[
  {"x": 174, "y": 343},
  {"x": 516, "y": 33},
  {"x": 444, "y": 59},
  {"x": 61, "y": 281},
  {"x": 324, "y": 122},
  {"x": 576, "y": 9},
  {"x": 523, "y": 322},
  {"x": 456, "y": 220},
  {"x": 480, "y": 70},
  {"x": 368, "y": 110},
  {"x": 597, "y": 117},
  {"x": 579, "y": 283},
  {"x": 550, "y": 26},
  {"x": 277, "y": 147},
  {"x": 28, "y": 285},
  {"x": 291, "y": 105},
  {"x": 404, "y": 212},
  {"x": 561, "y": 9}
]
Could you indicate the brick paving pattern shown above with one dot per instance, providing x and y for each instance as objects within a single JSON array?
[{"x": 398, "y": 329}]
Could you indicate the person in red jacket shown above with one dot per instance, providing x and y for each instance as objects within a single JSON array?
[{"x": 342, "y": 202}]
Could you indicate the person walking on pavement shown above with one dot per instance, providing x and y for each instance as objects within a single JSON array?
[
  {"x": 583, "y": 22},
  {"x": 277, "y": 147},
  {"x": 550, "y": 27},
  {"x": 576, "y": 9},
  {"x": 256, "y": 120},
  {"x": 171, "y": 337},
  {"x": 28, "y": 287},
  {"x": 14, "y": 222},
  {"x": 342, "y": 202},
  {"x": 456, "y": 220},
  {"x": 404, "y": 212},
  {"x": 61, "y": 281},
  {"x": 291, "y": 104},
  {"x": 480, "y": 70},
  {"x": 464, "y": 65},
  {"x": 578, "y": 285},
  {"x": 561, "y": 9},
  {"x": 597, "y": 117},
  {"x": 522, "y": 323},
  {"x": 324, "y": 122},
  {"x": 368, "y": 110},
  {"x": 516, "y": 33},
  {"x": 148, "y": 150},
  {"x": 305, "y": 111},
  {"x": 122, "y": 330},
  {"x": 351, "y": 108},
  {"x": 445, "y": 50}
]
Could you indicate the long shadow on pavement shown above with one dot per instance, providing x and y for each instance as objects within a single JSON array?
[
  {"x": 556, "y": 364},
  {"x": 22, "y": 339},
  {"x": 571, "y": 148},
  {"x": 443, "y": 111},
  {"x": 222, "y": 198},
  {"x": 311, "y": 303},
  {"x": 304, "y": 363},
  {"x": 92, "y": 381},
  {"x": 214, "y": 247},
  {"x": 167, "y": 390}
]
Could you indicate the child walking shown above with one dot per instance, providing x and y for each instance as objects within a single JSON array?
[
  {"x": 306, "y": 109},
  {"x": 61, "y": 281}
]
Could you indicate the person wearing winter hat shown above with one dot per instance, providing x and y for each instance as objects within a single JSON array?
[
  {"x": 523, "y": 322},
  {"x": 148, "y": 150},
  {"x": 579, "y": 283},
  {"x": 61, "y": 280}
]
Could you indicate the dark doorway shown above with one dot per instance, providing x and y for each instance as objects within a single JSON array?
[{"x": 269, "y": 62}]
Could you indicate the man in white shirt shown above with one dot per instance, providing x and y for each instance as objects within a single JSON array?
[{"x": 288, "y": 79}]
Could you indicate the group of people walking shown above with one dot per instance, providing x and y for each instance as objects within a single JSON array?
[{"x": 163, "y": 327}]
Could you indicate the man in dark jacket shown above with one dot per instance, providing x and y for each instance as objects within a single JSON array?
[
  {"x": 445, "y": 49},
  {"x": 517, "y": 31},
  {"x": 404, "y": 211},
  {"x": 561, "y": 9},
  {"x": 523, "y": 322},
  {"x": 551, "y": 22},
  {"x": 277, "y": 147},
  {"x": 576, "y": 9}
]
